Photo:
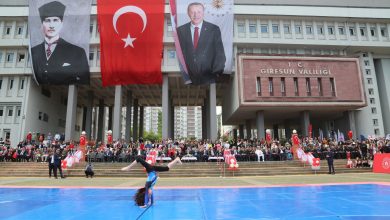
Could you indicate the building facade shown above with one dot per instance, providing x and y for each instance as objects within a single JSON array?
[{"x": 348, "y": 29}]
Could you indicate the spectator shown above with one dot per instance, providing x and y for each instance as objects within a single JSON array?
[{"x": 89, "y": 170}]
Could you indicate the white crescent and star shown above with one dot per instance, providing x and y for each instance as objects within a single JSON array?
[{"x": 129, "y": 9}]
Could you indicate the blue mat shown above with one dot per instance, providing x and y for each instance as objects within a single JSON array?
[{"x": 366, "y": 201}]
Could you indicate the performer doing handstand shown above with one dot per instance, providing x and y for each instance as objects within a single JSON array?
[{"x": 144, "y": 196}]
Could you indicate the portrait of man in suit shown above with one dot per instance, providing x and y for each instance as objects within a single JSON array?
[
  {"x": 56, "y": 61},
  {"x": 202, "y": 46}
]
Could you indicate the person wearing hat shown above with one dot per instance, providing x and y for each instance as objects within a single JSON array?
[{"x": 56, "y": 61}]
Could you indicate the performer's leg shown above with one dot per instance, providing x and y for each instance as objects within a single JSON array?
[
  {"x": 128, "y": 168},
  {"x": 172, "y": 163}
]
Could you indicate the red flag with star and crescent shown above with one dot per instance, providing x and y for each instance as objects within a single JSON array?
[{"x": 131, "y": 41}]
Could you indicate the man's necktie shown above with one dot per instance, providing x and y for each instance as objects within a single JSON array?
[
  {"x": 48, "y": 50},
  {"x": 196, "y": 37}
]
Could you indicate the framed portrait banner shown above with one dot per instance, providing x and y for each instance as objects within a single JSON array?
[
  {"x": 203, "y": 33},
  {"x": 59, "y": 41}
]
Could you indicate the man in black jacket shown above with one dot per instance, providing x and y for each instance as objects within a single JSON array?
[
  {"x": 329, "y": 158},
  {"x": 55, "y": 61},
  {"x": 202, "y": 47}
]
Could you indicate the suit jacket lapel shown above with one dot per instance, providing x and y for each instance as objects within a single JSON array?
[{"x": 202, "y": 36}]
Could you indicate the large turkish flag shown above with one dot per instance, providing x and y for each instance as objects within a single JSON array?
[{"x": 131, "y": 35}]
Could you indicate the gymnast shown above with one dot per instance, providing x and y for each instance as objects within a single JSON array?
[{"x": 144, "y": 196}]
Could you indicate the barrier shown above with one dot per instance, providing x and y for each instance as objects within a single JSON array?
[{"x": 381, "y": 163}]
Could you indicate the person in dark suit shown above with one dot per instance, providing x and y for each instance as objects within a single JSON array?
[
  {"x": 57, "y": 162},
  {"x": 202, "y": 46},
  {"x": 329, "y": 158},
  {"x": 52, "y": 164},
  {"x": 55, "y": 61}
]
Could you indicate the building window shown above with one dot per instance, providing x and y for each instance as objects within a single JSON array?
[
  {"x": 91, "y": 28},
  {"x": 1, "y": 83},
  {"x": 296, "y": 86},
  {"x": 10, "y": 112},
  {"x": 98, "y": 55},
  {"x": 283, "y": 86},
  {"x": 368, "y": 72},
  {"x": 21, "y": 57},
  {"x": 7, "y": 30},
  {"x": 171, "y": 54},
  {"x": 241, "y": 28},
  {"x": 330, "y": 30},
  {"x": 252, "y": 28},
  {"x": 18, "y": 112},
  {"x": 352, "y": 31},
  {"x": 320, "y": 29},
  {"x": 271, "y": 86},
  {"x": 366, "y": 63},
  {"x": 363, "y": 31},
  {"x": 372, "y": 101},
  {"x": 375, "y": 122},
  {"x": 264, "y": 28},
  {"x": 371, "y": 91},
  {"x": 40, "y": 116},
  {"x": 258, "y": 86},
  {"x": 365, "y": 55},
  {"x": 11, "y": 84},
  {"x": 332, "y": 87},
  {"x": 384, "y": 31},
  {"x": 20, "y": 30},
  {"x": 287, "y": 29},
  {"x": 369, "y": 81},
  {"x": 320, "y": 87},
  {"x": 341, "y": 31},
  {"x": 308, "y": 87},
  {"x": 309, "y": 29},
  {"x": 275, "y": 28},
  {"x": 1, "y": 112},
  {"x": 298, "y": 29},
  {"x": 169, "y": 25},
  {"x": 376, "y": 131},
  {"x": 10, "y": 57},
  {"x": 373, "y": 110},
  {"x": 22, "y": 84},
  {"x": 373, "y": 31},
  {"x": 45, "y": 117}
]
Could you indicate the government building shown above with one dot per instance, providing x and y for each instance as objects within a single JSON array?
[{"x": 306, "y": 65}]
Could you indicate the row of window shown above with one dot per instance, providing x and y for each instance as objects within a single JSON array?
[
  {"x": 320, "y": 29},
  {"x": 10, "y": 56},
  {"x": 308, "y": 89},
  {"x": 7, "y": 114},
  {"x": 265, "y": 28},
  {"x": 10, "y": 91}
]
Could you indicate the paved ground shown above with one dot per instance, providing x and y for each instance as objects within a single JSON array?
[{"x": 201, "y": 181}]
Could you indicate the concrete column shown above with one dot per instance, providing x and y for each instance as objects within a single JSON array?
[
  {"x": 241, "y": 131},
  {"x": 235, "y": 134},
  {"x": 117, "y": 123},
  {"x": 88, "y": 119},
  {"x": 71, "y": 113},
  {"x": 83, "y": 123},
  {"x": 100, "y": 127},
  {"x": 305, "y": 121},
  {"x": 248, "y": 126},
  {"x": 275, "y": 127},
  {"x": 171, "y": 120},
  {"x": 135, "y": 120},
  {"x": 109, "y": 123},
  {"x": 352, "y": 124},
  {"x": 165, "y": 107},
  {"x": 213, "y": 112},
  {"x": 260, "y": 125},
  {"x": 207, "y": 108},
  {"x": 141, "y": 121},
  {"x": 128, "y": 115},
  {"x": 204, "y": 122}
]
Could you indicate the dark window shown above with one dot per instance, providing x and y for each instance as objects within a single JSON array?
[
  {"x": 91, "y": 54},
  {"x": 1, "y": 83},
  {"x": 21, "y": 57},
  {"x": 320, "y": 87},
  {"x": 20, "y": 30},
  {"x": 1, "y": 112},
  {"x": 40, "y": 115},
  {"x": 283, "y": 86},
  {"x": 18, "y": 113},
  {"x": 11, "y": 84},
  {"x": 10, "y": 112},
  {"x": 296, "y": 88},
  {"x": 308, "y": 87},
  {"x": 258, "y": 86},
  {"x": 271, "y": 86},
  {"x": 332, "y": 87},
  {"x": 8, "y": 30},
  {"x": 22, "y": 84}
]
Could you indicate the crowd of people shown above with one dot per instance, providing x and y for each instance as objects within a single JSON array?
[{"x": 244, "y": 150}]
